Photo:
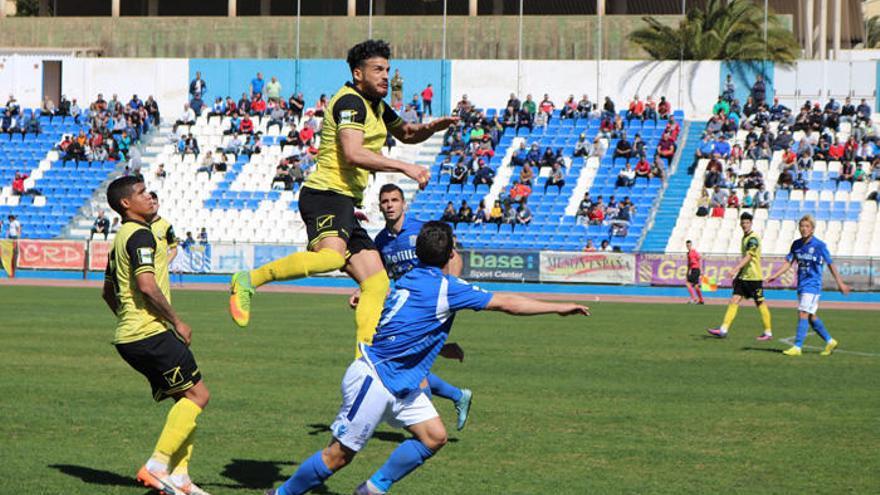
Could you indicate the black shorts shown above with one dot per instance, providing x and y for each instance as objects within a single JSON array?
[
  {"x": 693, "y": 276},
  {"x": 330, "y": 214},
  {"x": 165, "y": 360},
  {"x": 749, "y": 289}
]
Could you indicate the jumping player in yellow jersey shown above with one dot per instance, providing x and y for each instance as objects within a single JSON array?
[
  {"x": 748, "y": 283},
  {"x": 356, "y": 124},
  {"x": 151, "y": 337}
]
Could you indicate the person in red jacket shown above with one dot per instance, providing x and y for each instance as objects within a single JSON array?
[
  {"x": 258, "y": 106},
  {"x": 427, "y": 98},
  {"x": 694, "y": 265},
  {"x": 246, "y": 126},
  {"x": 636, "y": 110}
]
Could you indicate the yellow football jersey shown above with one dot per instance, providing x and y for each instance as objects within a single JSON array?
[
  {"x": 350, "y": 109},
  {"x": 165, "y": 240},
  {"x": 133, "y": 253},
  {"x": 751, "y": 245}
]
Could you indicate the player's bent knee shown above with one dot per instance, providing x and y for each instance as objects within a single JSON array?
[
  {"x": 336, "y": 456},
  {"x": 199, "y": 394}
]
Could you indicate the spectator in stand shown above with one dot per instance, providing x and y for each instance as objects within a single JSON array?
[
  {"x": 273, "y": 90},
  {"x": 556, "y": 178},
  {"x": 296, "y": 104},
  {"x": 569, "y": 109},
  {"x": 547, "y": 106},
  {"x": 703, "y": 203},
  {"x": 449, "y": 214},
  {"x": 847, "y": 172},
  {"x": 256, "y": 85},
  {"x": 409, "y": 115},
  {"x": 459, "y": 176},
  {"x": 465, "y": 213},
  {"x": 733, "y": 200},
  {"x": 525, "y": 119},
  {"x": 582, "y": 146},
  {"x": 483, "y": 176},
  {"x": 246, "y": 126},
  {"x": 523, "y": 214},
  {"x": 234, "y": 145},
  {"x": 258, "y": 105},
  {"x": 666, "y": 148},
  {"x": 218, "y": 109},
  {"x": 276, "y": 118},
  {"x": 19, "y": 189},
  {"x": 548, "y": 158},
  {"x": 643, "y": 168},
  {"x": 748, "y": 200},
  {"x": 513, "y": 102},
  {"x": 197, "y": 86},
  {"x": 608, "y": 110},
  {"x": 321, "y": 105},
  {"x": 875, "y": 168},
  {"x": 860, "y": 174},
  {"x": 721, "y": 108},
  {"x": 762, "y": 197},
  {"x": 658, "y": 168},
  {"x": 100, "y": 226},
  {"x": 496, "y": 214},
  {"x": 706, "y": 149},
  {"x": 721, "y": 147},
  {"x": 863, "y": 112},
  {"x": 207, "y": 165},
  {"x": 624, "y": 149},
  {"x": 847, "y": 111},
  {"x": 203, "y": 237},
  {"x": 754, "y": 179},
  {"x": 759, "y": 90},
  {"x": 481, "y": 216},
  {"x": 729, "y": 89},
  {"x": 605, "y": 246},
  {"x": 8, "y": 124},
  {"x": 866, "y": 152},
  {"x": 519, "y": 192},
  {"x": 417, "y": 107},
  {"x": 427, "y": 99},
  {"x": 664, "y": 109},
  {"x": 197, "y": 104},
  {"x": 292, "y": 139},
  {"x": 114, "y": 227},
  {"x": 719, "y": 197},
  {"x": 396, "y": 90},
  {"x": 13, "y": 106},
  {"x": 589, "y": 247},
  {"x": 626, "y": 177},
  {"x": 527, "y": 174},
  {"x": 651, "y": 110},
  {"x": 837, "y": 150},
  {"x": 509, "y": 118},
  {"x": 47, "y": 108},
  {"x": 188, "y": 117},
  {"x": 161, "y": 174},
  {"x": 13, "y": 227},
  {"x": 509, "y": 216},
  {"x": 191, "y": 145}
]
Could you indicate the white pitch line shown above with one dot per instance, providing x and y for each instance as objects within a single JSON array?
[{"x": 790, "y": 341}]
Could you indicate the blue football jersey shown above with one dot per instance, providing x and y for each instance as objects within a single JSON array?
[
  {"x": 415, "y": 323},
  {"x": 399, "y": 250},
  {"x": 811, "y": 258}
]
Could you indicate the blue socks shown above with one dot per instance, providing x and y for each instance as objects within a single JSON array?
[
  {"x": 803, "y": 327},
  {"x": 310, "y": 474},
  {"x": 443, "y": 389},
  {"x": 407, "y": 456},
  {"x": 819, "y": 327}
]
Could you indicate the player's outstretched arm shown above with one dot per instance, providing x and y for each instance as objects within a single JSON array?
[
  {"x": 352, "y": 143},
  {"x": 782, "y": 269},
  {"x": 109, "y": 295},
  {"x": 146, "y": 283},
  {"x": 844, "y": 289},
  {"x": 416, "y": 133},
  {"x": 526, "y": 306}
]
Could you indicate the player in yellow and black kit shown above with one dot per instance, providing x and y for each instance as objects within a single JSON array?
[
  {"x": 748, "y": 283},
  {"x": 166, "y": 247},
  {"x": 150, "y": 336},
  {"x": 356, "y": 123}
]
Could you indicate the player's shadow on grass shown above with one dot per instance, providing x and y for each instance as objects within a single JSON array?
[
  {"x": 258, "y": 475},
  {"x": 382, "y": 436},
  {"x": 95, "y": 476},
  {"x": 763, "y": 349}
]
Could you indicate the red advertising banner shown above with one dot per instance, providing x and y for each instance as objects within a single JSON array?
[
  {"x": 667, "y": 269},
  {"x": 52, "y": 255},
  {"x": 99, "y": 252}
]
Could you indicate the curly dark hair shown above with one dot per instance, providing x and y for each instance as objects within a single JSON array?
[{"x": 365, "y": 50}]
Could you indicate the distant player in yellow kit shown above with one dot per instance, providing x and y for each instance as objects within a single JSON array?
[{"x": 748, "y": 283}]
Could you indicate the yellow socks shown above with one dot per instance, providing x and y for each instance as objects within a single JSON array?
[
  {"x": 179, "y": 427},
  {"x": 297, "y": 265},
  {"x": 729, "y": 316},
  {"x": 765, "y": 317},
  {"x": 369, "y": 308},
  {"x": 180, "y": 460}
]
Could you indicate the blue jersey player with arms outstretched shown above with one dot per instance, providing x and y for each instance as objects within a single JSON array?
[
  {"x": 397, "y": 245},
  {"x": 811, "y": 256},
  {"x": 384, "y": 384}
]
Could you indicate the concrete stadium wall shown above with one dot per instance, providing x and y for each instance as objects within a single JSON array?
[
  {"x": 490, "y": 82},
  {"x": 816, "y": 80}
]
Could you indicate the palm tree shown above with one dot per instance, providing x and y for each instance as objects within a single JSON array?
[
  {"x": 725, "y": 30},
  {"x": 872, "y": 33}
]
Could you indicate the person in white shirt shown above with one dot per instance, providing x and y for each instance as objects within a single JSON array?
[
  {"x": 13, "y": 231},
  {"x": 188, "y": 117}
]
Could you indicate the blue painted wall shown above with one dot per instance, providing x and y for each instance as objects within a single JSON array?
[
  {"x": 231, "y": 77},
  {"x": 743, "y": 74}
]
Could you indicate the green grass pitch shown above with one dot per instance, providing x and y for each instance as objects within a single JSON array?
[{"x": 633, "y": 400}]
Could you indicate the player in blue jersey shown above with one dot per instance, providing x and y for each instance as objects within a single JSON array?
[
  {"x": 385, "y": 383},
  {"x": 397, "y": 245},
  {"x": 811, "y": 256}
]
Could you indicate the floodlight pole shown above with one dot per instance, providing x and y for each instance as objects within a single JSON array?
[
  {"x": 298, "y": 19},
  {"x": 370, "y": 21},
  {"x": 444, "y": 90},
  {"x": 600, "y": 13},
  {"x": 519, "y": 53},
  {"x": 681, "y": 52}
]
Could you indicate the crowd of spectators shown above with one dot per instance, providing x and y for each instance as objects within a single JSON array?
[
  {"x": 615, "y": 214},
  {"x": 770, "y": 129}
]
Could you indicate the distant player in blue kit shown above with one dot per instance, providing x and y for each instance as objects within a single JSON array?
[
  {"x": 384, "y": 384},
  {"x": 811, "y": 256},
  {"x": 397, "y": 245}
]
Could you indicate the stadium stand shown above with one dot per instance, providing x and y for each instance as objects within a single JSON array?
[
  {"x": 54, "y": 189},
  {"x": 816, "y": 165}
]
